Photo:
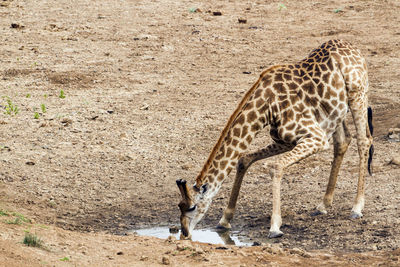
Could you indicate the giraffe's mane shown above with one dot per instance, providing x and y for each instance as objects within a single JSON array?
[{"x": 200, "y": 177}]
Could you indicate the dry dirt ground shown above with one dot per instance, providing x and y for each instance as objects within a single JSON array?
[{"x": 148, "y": 86}]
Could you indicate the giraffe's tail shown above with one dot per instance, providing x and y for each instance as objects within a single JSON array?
[{"x": 371, "y": 132}]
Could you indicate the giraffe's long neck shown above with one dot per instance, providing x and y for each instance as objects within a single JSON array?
[{"x": 251, "y": 115}]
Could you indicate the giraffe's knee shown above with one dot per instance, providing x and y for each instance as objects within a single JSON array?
[
  {"x": 242, "y": 164},
  {"x": 342, "y": 147},
  {"x": 275, "y": 169}
]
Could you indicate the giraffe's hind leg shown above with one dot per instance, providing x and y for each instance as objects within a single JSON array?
[
  {"x": 341, "y": 141},
  {"x": 244, "y": 163},
  {"x": 358, "y": 108}
]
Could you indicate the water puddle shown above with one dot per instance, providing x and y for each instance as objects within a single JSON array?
[{"x": 201, "y": 235}]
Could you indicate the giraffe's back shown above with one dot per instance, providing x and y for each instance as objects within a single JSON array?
[{"x": 314, "y": 91}]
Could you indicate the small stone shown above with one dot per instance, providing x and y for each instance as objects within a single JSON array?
[
  {"x": 171, "y": 239},
  {"x": 174, "y": 229},
  {"x": 131, "y": 233},
  {"x": 144, "y": 107},
  {"x": 300, "y": 252},
  {"x": 395, "y": 160},
  {"x": 217, "y": 13},
  {"x": 186, "y": 167},
  {"x": 66, "y": 121},
  {"x": 241, "y": 20},
  {"x": 394, "y": 134},
  {"x": 17, "y": 26},
  {"x": 184, "y": 246},
  {"x": 394, "y": 131},
  {"x": 120, "y": 253},
  {"x": 276, "y": 250},
  {"x": 144, "y": 258},
  {"x": 165, "y": 260},
  {"x": 199, "y": 251}
]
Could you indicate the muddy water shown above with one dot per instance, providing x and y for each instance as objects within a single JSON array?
[{"x": 202, "y": 235}]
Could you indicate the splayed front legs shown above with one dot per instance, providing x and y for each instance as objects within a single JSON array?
[{"x": 241, "y": 168}]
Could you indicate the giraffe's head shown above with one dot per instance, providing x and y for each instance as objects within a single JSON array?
[{"x": 193, "y": 206}]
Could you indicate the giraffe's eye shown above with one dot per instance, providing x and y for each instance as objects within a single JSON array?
[{"x": 191, "y": 208}]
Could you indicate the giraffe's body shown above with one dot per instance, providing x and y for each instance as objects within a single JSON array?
[{"x": 305, "y": 105}]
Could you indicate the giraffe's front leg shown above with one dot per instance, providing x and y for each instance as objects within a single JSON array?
[
  {"x": 305, "y": 148},
  {"x": 276, "y": 173},
  {"x": 225, "y": 222}
]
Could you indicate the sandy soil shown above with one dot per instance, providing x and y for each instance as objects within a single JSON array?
[{"x": 148, "y": 87}]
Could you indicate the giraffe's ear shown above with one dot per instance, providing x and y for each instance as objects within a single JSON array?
[{"x": 183, "y": 189}]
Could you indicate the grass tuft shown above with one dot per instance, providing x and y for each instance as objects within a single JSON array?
[
  {"x": 3, "y": 213},
  {"x": 64, "y": 259},
  {"x": 32, "y": 240},
  {"x": 15, "y": 221},
  {"x": 43, "y": 108},
  {"x": 62, "y": 95},
  {"x": 10, "y": 108}
]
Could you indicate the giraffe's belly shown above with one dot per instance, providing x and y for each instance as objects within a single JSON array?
[{"x": 330, "y": 122}]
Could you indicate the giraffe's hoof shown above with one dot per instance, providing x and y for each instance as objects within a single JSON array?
[
  {"x": 318, "y": 212},
  {"x": 275, "y": 234},
  {"x": 355, "y": 215},
  {"x": 223, "y": 228}
]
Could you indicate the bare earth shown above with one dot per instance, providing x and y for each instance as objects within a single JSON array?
[{"x": 148, "y": 87}]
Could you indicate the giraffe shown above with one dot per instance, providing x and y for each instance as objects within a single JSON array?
[{"x": 305, "y": 105}]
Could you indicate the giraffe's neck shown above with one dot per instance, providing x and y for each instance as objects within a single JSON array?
[{"x": 246, "y": 121}]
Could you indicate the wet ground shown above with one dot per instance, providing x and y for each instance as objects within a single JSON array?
[{"x": 202, "y": 235}]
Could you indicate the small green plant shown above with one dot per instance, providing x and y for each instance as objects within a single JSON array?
[
  {"x": 32, "y": 240},
  {"x": 52, "y": 203},
  {"x": 21, "y": 217},
  {"x": 45, "y": 95},
  {"x": 281, "y": 6},
  {"x": 15, "y": 221},
  {"x": 43, "y": 108},
  {"x": 42, "y": 226},
  {"x": 337, "y": 10},
  {"x": 36, "y": 115},
  {"x": 62, "y": 95},
  {"x": 28, "y": 96},
  {"x": 3, "y": 212},
  {"x": 64, "y": 259},
  {"x": 11, "y": 108}
]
